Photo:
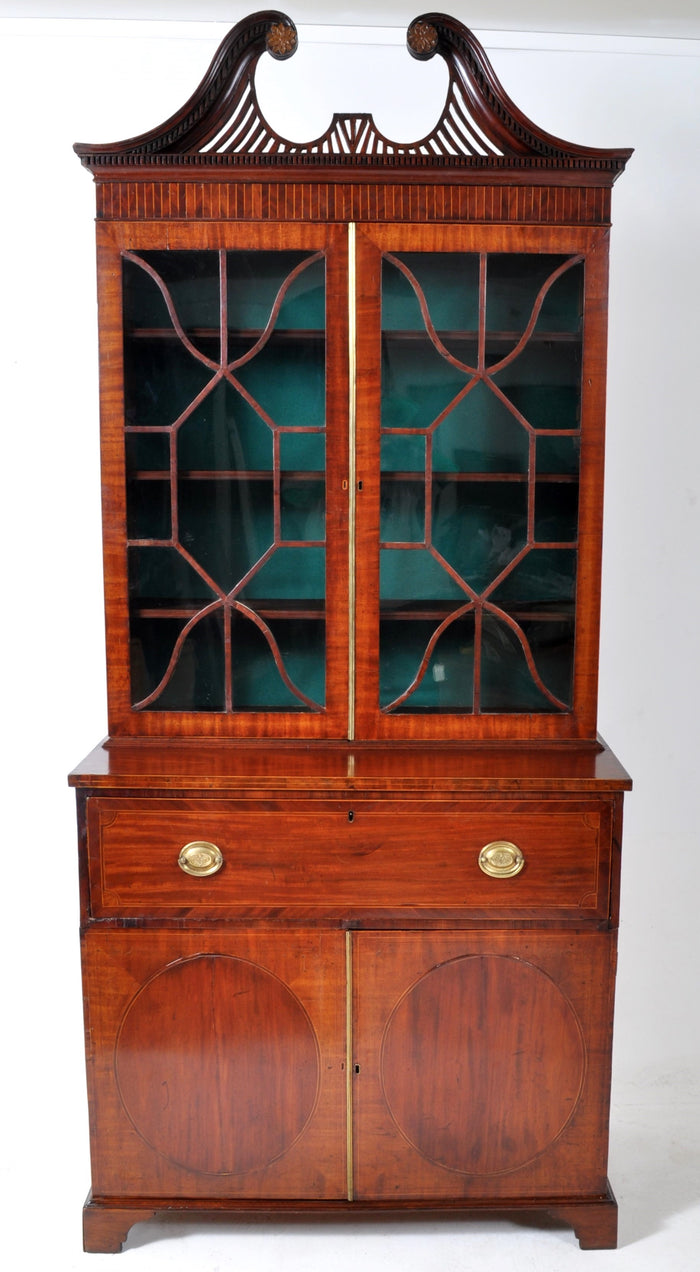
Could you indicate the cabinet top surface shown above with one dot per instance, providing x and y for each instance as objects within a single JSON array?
[
  {"x": 345, "y": 767},
  {"x": 222, "y": 127}
]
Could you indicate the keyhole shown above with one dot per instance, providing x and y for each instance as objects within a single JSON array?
[{"x": 351, "y": 816}]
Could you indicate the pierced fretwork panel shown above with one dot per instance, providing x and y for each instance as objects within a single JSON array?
[
  {"x": 224, "y": 377},
  {"x": 480, "y": 433}
]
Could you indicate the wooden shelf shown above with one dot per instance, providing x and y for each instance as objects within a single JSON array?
[
  {"x": 234, "y": 333},
  {"x": 434, "y": 613},
  {"x": 437, "y": 613},
  {"x": 265, "y": 609},
  {"x": 508, "y": 338},
  {"x": 419, "y": 476},
  {"x": 229, "y": 474}
]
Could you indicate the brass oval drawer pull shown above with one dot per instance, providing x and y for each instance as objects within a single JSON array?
[
  {"x": 501, "y": 859},
  {"x": 200, "y": 858}
]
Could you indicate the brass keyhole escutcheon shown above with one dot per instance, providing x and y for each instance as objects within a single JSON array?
[
  {"x": 200, "y": 858},
  {"x": 501, "y": 859}
]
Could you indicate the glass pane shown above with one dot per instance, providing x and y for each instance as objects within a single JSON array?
[
  {"x": 412, "y": 575},
  {"x": 417, "y": 383},
  {"x": 480, "y": 435},
  {"x": 292, "y": 647},
  {"x": 225, "y": 384},
  {"x": 288, "y": 381},
  {"x": 198, "y": 672},
  {"x": 508, "y": 683},
  {"x": 448, "y": 282},
  {"x": 543, "y": 576},
  {"x": 513, "y": 283},
  {"x": 556, "y": 511},
  {"x": 224, "y": 434},
  {"x": 298, "y": 570},
  {"x": 161, "y": 378},
  {"x": 403, "y": 451},
  {"x": 479, "y": 527},
  {"x": 481, "y": 385},
  {"x": 158, "y": 285},
  {"x": 253, "y": 285},
  {"x": 558, "y": 455},
  {"x": 302, "y": 510},
  {"x": 148, "y": 507},
  {"x": 543, "y": 384},
  {"x": 226, "y": 526},
  {"x": 402, "y": 517},
  {"x": 443, "y": 675}
]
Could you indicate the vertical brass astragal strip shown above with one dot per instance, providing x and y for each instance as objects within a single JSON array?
[
  {"x": 349, "y": 1064},
  {"x": 352, "y": 480}
]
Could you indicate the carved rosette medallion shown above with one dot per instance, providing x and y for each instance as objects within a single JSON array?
[
  {"x": 281, "y": 40},
  {"x": 422, "y": 39}
]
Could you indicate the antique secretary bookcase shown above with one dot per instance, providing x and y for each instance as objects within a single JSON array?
[{"x": 350, "y": 853}]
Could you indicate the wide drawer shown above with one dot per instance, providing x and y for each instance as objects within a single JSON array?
[{"x": 352, "y": 861}]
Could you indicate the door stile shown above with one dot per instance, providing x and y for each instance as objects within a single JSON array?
[{"x": 367, "y": 482}]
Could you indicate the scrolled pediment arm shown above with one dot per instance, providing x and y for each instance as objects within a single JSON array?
[
  {"x": 230, "y": 75},
  {"x": 473, "y": 77}
]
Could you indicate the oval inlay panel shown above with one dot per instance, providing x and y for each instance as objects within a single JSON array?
[
  {"x": 482, "y": 1064},
  {"x": 217, "y": 1065}
]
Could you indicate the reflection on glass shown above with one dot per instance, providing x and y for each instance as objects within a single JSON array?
[
  {"x": 224, "y": 382},
  {"x": 480, "y": 430}
]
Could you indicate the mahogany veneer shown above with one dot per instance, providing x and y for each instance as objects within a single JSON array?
[{"x": 350, "y": 854}]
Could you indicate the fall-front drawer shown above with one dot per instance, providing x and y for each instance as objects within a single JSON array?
[{"x": 355, "y": 861}]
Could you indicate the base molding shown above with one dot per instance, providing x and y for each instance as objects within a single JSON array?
[{"x": 107, "y": 1221}]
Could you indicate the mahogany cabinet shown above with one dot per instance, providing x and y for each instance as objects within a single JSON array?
[{"x": 350, "y": 852}]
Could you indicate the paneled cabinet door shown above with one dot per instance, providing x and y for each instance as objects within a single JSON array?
[
  {"x": 217, "y": 1064},
  {"x": 481, "y": 1064}
]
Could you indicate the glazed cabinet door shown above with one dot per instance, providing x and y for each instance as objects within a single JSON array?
[
  {"x": 216, "y": 1064},
  {"x": 480, "y": 383},
  {"x": 224, "y": 374},
  {"x": 481, "y": 1064}
]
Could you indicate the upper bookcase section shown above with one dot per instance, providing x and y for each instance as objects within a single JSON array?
[{"x": 480, "y": 132}]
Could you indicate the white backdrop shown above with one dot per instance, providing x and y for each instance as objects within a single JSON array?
[{"x": 100, "y": 81}]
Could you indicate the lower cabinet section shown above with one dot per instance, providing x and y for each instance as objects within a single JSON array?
[{"x": 366, "y": 1068}]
